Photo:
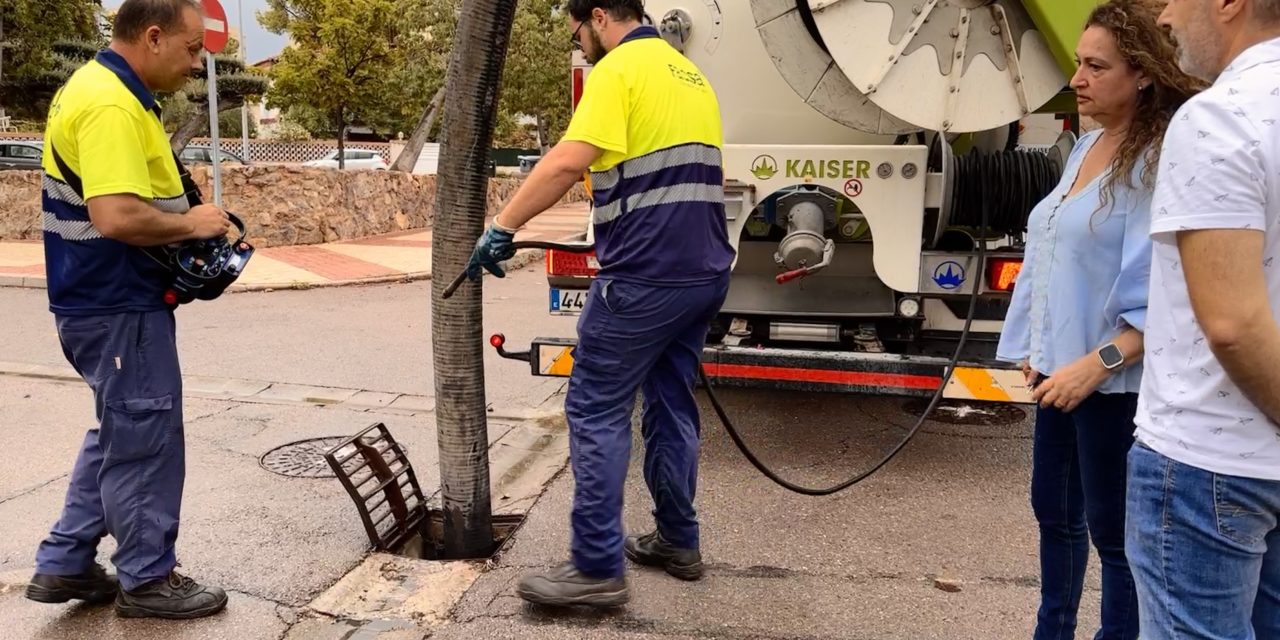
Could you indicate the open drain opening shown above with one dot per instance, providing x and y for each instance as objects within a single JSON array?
[
  {"x": 374, "y": 470},
  {"x": 967, "y": 413},
  {"x": 431, "y": 545}
]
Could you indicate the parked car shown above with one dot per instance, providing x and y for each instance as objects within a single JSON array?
[
  {"x": 355, "y": 159},
  {"x": 200, "y": 154},
  {"x": 21, "y": 155}
]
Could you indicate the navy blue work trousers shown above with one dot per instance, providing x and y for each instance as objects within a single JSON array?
[
  {"x": 128, "y": 478},
  {"x": 636, "y": 337}
]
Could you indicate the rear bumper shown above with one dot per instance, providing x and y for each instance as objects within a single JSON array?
[{"x": 820, "y": 371}]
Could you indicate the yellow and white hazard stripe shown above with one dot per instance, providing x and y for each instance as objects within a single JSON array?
[
  {"x": 991, "y": 385},
  {"x": 555, "y": 360}
]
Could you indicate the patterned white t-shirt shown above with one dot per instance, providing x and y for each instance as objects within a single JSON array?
[{"x": 1220, "y": 169}]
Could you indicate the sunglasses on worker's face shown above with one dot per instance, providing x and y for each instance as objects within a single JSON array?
[{"x": 573, "y": 39}]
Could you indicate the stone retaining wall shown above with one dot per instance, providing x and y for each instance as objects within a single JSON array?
[{"x": 287, "y": 205}]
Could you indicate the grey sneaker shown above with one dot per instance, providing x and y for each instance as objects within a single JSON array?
[
  {"x": 651, "y": 550},
  {"x": 94, "y": 586},
  {"x": 176, "y": 598},
  {"x": 566, "y": 586}
]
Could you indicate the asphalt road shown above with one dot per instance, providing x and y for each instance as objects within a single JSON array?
[
  {"x": 374, "y": 337},
  {"x": 861, "y": 564}
]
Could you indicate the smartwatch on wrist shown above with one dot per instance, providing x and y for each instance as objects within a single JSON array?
[{"x": 1111, "y": 356}]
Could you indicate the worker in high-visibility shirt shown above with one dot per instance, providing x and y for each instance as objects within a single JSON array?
[
  {"x": 112, "y": 190},
  {"x": 648, "y": 128}
]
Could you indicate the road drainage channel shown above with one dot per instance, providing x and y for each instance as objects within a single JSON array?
[
  {"x": 382, "y": 483},
  {"x": 967, "y": 413}
]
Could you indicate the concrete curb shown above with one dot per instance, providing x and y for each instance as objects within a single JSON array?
[
  {"x": 256, "y": 391},
  {"x": 522, "y": 260}
]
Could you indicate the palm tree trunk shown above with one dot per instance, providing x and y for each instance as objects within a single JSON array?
[
  {"x": 408, "y": 158},
  {"x": 470, "y": 111}
]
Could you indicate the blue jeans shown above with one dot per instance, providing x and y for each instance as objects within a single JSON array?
[
  {"x": 636, "y": 337},
  {"x": 1205, "y": 551},
  {"x": 1078, "y": 492},
  {"x": 128, "y": 477}
]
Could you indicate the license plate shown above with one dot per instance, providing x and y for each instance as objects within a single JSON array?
[{"x": 568, "y": 301}]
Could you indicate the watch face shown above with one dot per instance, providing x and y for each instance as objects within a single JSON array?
[{"x": 1111, "y": 356}]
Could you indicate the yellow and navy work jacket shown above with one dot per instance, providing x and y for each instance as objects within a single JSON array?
[
  {"x": 658, "y": 188},
  {"x": 106, "y": 127}
]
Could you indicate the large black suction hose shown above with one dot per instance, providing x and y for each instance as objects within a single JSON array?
[{"x": 724, "y": 416}]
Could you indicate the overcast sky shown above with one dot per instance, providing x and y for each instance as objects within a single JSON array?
[{"x": 259, "y": 43}]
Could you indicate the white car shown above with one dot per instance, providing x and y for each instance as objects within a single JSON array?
[{"x": 355, "y": 159}]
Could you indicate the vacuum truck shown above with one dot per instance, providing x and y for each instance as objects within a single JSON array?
[{"x": 881, "y": 158}]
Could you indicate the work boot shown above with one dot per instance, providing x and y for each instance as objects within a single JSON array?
[
  {"x": 650, "y": 549},
  {"x": 94, "y": 586},
  {"x": 176, "y": 598},
  {"x": 566, "y": 586}
]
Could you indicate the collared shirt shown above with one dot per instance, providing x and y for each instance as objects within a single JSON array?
[
  {"x": 1220, "y": 170},
  {"x": 1084, "y": 275},
  {"x": 658, "y": 188},
  {"x": 106, "y": 127}
]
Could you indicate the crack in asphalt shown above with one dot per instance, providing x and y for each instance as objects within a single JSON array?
[
  {"x": 26, "y": 492},
  {"x": 536, "y": 615}
]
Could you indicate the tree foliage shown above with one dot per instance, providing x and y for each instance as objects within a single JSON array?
[
  {"x": 30, "y": 70},
  {"x": 536, "y": 80},
  {"x": 346, "y": 60},
  {"x": 310, "y": 81},
  {"x": 186, "y": 113}
]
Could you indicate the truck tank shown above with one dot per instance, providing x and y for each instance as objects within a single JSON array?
[
  {"x": 804, "y": 71},
  {"x": 851, "y": 216}
]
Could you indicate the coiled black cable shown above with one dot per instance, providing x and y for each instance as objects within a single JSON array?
[{"x": 1004, "y": 186}]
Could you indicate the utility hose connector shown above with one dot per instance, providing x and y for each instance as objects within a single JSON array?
[{"x": 828, "y": 252}]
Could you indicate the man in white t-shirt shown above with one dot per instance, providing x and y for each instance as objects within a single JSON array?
[{"x": 1204, "y": 479}]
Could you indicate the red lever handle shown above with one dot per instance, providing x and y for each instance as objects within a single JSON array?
[{"x": 784, "y": 278}]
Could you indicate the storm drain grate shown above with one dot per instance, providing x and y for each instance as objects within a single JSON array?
[
  {"x": 374, "y": 470},
  {"x": 305, "y": 458},
  {"x": 967, "y": 413}
]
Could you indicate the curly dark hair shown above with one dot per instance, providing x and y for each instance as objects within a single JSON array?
[{"x": 1149, "y": 48}]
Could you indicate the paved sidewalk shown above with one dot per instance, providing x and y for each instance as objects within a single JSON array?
[{"x": 401, "y": 256}]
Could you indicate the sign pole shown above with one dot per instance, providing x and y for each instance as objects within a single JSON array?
[
  {"x": 244, "y": 107},
  {"x": 215, "y": 40},
  {"x": 215, "y": 151}
]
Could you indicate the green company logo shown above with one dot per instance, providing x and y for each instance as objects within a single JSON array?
[{"x": 764, "y": 167}]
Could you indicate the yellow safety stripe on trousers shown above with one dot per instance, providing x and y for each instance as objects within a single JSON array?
[{"x": 993, "y": 385}]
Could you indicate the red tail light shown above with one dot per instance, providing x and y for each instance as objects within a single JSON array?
[
  {"x": 564, "y": 263},
  {"x": 1002, "y": 273}
]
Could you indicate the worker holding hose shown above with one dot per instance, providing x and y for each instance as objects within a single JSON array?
[{"x": 648, "y": 130}]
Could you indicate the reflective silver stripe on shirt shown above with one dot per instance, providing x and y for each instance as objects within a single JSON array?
[
  {"x": 73, "y": 230},
  {"x": 708, "y": 193},
  {"x": 673, "y": 157},
  {"x": 62, "y": 192},
  {"x": 172, "y": 205},
  {"x": 604, "y": 180}
]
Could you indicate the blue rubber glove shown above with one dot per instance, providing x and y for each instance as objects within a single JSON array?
[{"x": 493, "y": 247}]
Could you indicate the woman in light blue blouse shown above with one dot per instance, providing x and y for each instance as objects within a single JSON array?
[{"x": 1079, "y": 309}]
